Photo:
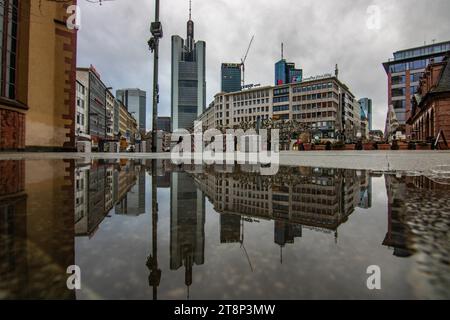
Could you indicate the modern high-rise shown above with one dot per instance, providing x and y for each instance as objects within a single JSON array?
[
  {"x": 366, "y": 108},
  {"x": 404, "y": 72},
  {"x": 285, "y": 73},
  {"x": 135, "y": 100},
  {"x": 231, "y": 77},
  {"x": 188, "y": 99},
  {"x": 163, "y": 124}
]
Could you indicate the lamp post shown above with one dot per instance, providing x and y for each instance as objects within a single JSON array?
[{"x": 153, "y": 43}]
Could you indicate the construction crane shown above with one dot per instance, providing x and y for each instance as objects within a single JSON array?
[{"x": 243, "y": 61}]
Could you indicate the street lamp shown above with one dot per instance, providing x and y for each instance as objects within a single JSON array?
[{"x": 157, "y": 33}]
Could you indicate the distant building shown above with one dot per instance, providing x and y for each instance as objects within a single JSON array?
[
  {"x": 285, "y": 73},
  {"x": 404, "y": 72},
  {"x": 366, "y": 110},
  {"x": 163, "y": 124},
  {"x": 430, "y": 113},
  {"x": 135, "y": 100},
  {"x": 82, "y": 112},
  {"x": 96, "y": 104},
  {"x": 188, "y": 99},
  {"x": 323, "y": 103},
  {"x": 231, "y": 77}
]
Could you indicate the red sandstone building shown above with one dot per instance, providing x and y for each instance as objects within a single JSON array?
[
  {"x": 430, "y": 116},
  {"x": 37, "y": 76}
]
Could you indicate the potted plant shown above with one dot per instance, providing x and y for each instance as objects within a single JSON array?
[
  {"x": 368, "y": 146},
  {"x": 411, "y": 145}
]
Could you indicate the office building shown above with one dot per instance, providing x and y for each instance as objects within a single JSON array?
[
  {"x": 404, "y": 72},
  {"x": 135, "y": 100},
  {"x": 96, "y": 104},
  {"x": 188, "y": 98},
  {"x": 82, "y": 112},
  {"x": 366, "y": 110},
  {"x": 285, "y": 73},
  {"x": 231, "y": 77},
  {"x": 163, "y": 124},
  {"x": 322, "y": 103}
]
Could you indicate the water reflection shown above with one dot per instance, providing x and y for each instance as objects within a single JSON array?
[{"x": 183, "y": 231}]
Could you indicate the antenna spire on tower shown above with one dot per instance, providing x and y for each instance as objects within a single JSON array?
[
  {"x": 190, "y": 9},
  {"x": 282, "y": 51}
]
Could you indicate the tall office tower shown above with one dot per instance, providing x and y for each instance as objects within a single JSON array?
[
  {"x": 135, "y": 100},
  {"x": 366, "y": 107},
  {"x": 404, "y": 72},
  {"x": 187, "y": 224},
  {"x": 231, "y": 77},
  {"x": 188, "y": 79}
]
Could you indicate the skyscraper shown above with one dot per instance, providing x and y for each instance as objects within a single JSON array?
[
  {"x": 188, "y": 79},
  {"x": 135, "y": 100},
  {"x": 404, "y": 73},
  {"x": 231, "y": 77},
  {"x": 366, "y": 108}
]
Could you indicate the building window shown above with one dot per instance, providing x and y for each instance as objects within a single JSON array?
[{"x": 9, "y": 12}]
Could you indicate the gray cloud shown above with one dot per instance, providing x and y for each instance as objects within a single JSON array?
[{"x": 317, "y": 35}]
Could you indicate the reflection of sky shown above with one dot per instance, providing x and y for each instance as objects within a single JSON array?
[{"x": 113, "y": 262}]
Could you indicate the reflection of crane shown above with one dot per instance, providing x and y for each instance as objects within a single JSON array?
[
  {"x": 244, "y": 59},
  {"x": 242, "y": 244}
]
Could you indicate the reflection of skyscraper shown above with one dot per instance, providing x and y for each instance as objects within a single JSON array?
[
  {"x": 286, "y": 232},
  {"x": 135, "y": 198},
  {"x": 187, "y": 225},
  {"x": 230, "y": 228}
]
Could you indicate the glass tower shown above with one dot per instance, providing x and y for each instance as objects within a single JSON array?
[
  {"x": 188, "y": 79},
  {"x": 231, "y": 77}
]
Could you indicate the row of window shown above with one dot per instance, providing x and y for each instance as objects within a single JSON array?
[
  {"x": 281, "y": 99},
  {"x": 314, "y": 115},
  {"x": 250, "y": 102},
  {"x": 281, "y": 108},
  {"x": 316, "y": 96},
  {"x": 413, "y": 65},
  {"x": 401, "y": 79},
  {"x": 422, "y": 51},
  {"x": 310, "y": 106},
  {"x": 250, "y": 118},
  {"x": 252, "y": 110},
  {"x": 315, "y": 87}
]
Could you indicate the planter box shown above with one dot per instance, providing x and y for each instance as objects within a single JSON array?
[
  {"x": 403, "y": 146},
  {"x": 350, "y": 147},
  {"x": 427, "y": 147},
  {"x": 368, "y": 146},
  {"x": 384, "y": 146},
  {"x": 307, "y": 146},
  {"x": 320, "y": 147}
]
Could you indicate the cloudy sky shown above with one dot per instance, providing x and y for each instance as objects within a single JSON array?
[{"x": 316, "y": 34}]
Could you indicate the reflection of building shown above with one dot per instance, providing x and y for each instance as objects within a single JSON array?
[
  {"x": 36, "y": 229},
  {"x": 316, "y": 198},
  {"x": 133, "y": 203},
  {"x": 37, "y": 112},
  {"x": 230, "y": 228},
  {"x": 188, "y": 79},
  {"x": 187, "y": 224},
  {"x": 285, "y": 233}
]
